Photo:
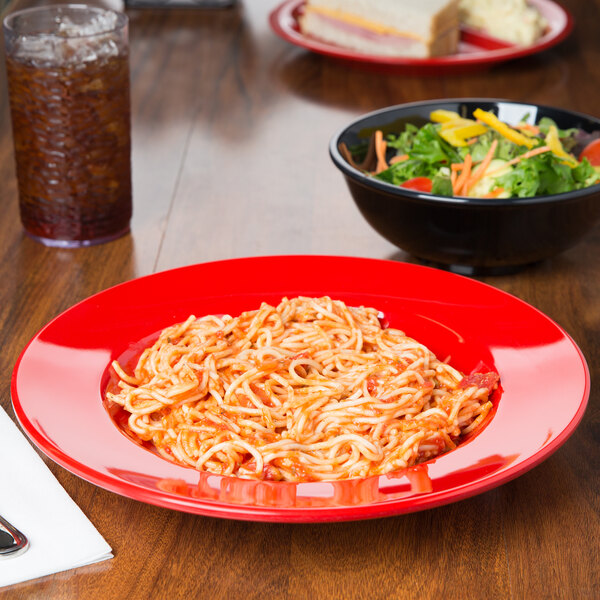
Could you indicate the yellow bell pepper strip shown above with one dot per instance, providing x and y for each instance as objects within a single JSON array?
[
  {"x": 462, "y": 130},
  {"x": 460, "y": 123},
  {"x": 452, "y": 138},
  {"x": 441, "y": 115},
  {"x": 456, "y": 130},
  {"x": 553, "y": 141},
  {"x": 503, "y": 129}
]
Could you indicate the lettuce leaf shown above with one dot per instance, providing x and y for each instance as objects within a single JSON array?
[
  {"x": 428, "y": 153},
  {"x": 544, "y": 174}
]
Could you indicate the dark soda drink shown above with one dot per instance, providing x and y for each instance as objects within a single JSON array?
[{"x": 70, "y": 109}]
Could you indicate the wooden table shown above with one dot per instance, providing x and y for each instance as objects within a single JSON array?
[{"x": 230, "y": 132}]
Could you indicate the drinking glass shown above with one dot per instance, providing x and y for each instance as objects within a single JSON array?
[{"x": 68, "y": 80}]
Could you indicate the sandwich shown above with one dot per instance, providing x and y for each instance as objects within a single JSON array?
[{"x": 395, "y": 28}]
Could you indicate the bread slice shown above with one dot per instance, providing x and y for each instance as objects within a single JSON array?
[{"x": 407, "y": 28}]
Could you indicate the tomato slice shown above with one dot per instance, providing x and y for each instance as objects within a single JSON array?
[
  {"x": 420, "y": 184},
  {"x": 592, "y": 153}
]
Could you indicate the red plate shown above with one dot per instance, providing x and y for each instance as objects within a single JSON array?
[
  {"x": 58, "y": 382},
  {"x": 476, "y": 50}
]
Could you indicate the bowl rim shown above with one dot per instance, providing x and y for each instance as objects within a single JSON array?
[{"x": 394, "y": 190}]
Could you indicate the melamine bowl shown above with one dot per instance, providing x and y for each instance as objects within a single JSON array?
[{"x": 469, "y": 235}]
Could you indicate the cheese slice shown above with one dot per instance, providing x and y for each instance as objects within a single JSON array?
[{"x": 351, "y": 19}]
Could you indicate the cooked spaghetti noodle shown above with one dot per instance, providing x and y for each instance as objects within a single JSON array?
[{"x": 308, "y": 390}]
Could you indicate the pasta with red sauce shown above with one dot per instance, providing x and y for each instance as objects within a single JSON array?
[{"x": 310, "y": 389}]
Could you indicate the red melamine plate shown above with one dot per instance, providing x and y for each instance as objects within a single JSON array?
[
  {"x": 476, "y": 50},
  {"x": 58, "y": 382}
]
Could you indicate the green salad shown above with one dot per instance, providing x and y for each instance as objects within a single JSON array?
[{"x": 484, "y": 157}]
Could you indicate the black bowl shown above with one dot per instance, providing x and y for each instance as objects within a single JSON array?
[{"x": 469, "y": 235}]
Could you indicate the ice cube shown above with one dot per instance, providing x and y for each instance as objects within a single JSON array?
[{"x": 72, "y": 43}]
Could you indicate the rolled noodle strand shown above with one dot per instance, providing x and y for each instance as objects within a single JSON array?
[{"x": 308, "y": 390}]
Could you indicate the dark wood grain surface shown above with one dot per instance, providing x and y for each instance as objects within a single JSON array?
[{"x": 230, "y": 133}]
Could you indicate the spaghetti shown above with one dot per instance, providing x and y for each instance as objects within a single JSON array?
[{"x": 311, "y": 389}]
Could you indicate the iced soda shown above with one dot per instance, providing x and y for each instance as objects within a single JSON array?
[{"x": 68, "y": 75}]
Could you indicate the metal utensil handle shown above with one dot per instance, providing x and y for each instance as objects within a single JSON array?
[{"x": 12, "y": 541}]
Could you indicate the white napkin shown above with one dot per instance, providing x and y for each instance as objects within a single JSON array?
[{"x": 60, "y": 536}]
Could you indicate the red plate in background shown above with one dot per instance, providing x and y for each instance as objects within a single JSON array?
[
  {"x": 59, "y": 379},
  {"x": 476, "y": 50}
]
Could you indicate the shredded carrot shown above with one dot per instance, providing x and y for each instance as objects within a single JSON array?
[
  {"x": 345, "y": 152},
  {"x": 367, "y": 162},
  {"x": 400, "y": 158},
  {"x": 532, "y": 129},
  {"x": 453, "y": 177},
  {"x": 471, "y": 141},
  {"x": 457, "y": 166},
  {"x": 479, "y": 172},
  {"x": 370, "y": 157},
  {"x": 380, "y": 148},
  {"x": 464, "y": 175},
  {"x": 529, "y": 154},
  {"x": 494, "y": 193}
]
